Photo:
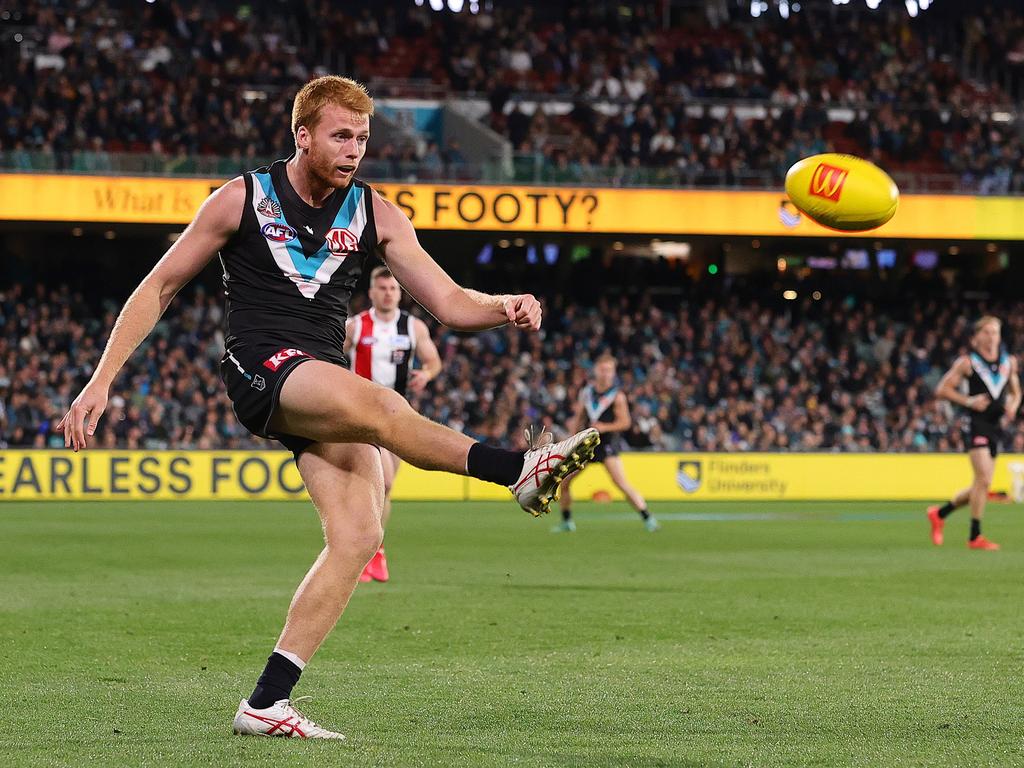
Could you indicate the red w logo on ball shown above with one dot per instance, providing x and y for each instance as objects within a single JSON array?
[
  {"x": 341, "y": 240},
  {"x": 827, "y": 181}
]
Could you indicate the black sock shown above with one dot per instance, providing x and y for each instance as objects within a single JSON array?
[
  {"x": 495, "y": 465},
  {"x": 566, "y": 514},
  {"x": 975, "y": 529},
  {"x": 946, "y": 509},
  {"x": 644, "y": 513},
  {"x": 276, "y": 683}
]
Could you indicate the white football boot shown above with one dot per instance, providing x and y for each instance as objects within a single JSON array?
[
  {"x": 546, "y": 466},
  {"x": 279, "y": 719}
]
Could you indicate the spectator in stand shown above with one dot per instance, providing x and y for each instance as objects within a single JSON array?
[
  {"x": 711, "y": 374},
  {"x": 198, "y": 89}
]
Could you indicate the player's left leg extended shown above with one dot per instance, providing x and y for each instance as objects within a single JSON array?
[
  {"x": 326, "y": 403},
  {"x": 346, "y": 484},
  {"x": 377, "y": 568},
  {"x": 983, "y": 462},
  {"x": 618, "y": 474}
]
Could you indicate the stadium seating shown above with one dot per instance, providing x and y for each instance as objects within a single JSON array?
[
  {"x": 204, "y": 92},
  {"x": 836, "y": 374}
]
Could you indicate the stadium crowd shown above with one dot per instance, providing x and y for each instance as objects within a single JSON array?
[
  {"x": 914, "y": 108},
  {"x": 714, "y": 374},
  {"x": 188, "y": 79}
]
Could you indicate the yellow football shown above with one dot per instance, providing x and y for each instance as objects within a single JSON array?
[{"x": 842, "y": 192}]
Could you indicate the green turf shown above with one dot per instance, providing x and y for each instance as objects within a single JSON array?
[{"x": 798, "y": 634}]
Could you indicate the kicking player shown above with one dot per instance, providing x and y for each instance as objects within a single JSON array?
[
  {"x": 293, "y": 238},
  {"x": 993, "y": 393},
  {"x": 386, "y": 341},
  {"x": 603, "y": 406}
]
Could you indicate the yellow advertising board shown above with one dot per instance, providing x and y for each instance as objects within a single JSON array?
[
  {"x": 102, "y": 199},
  {"x": 35, "y": 475},
  {"x": 102, "y": 475},
  {"x": 688, "y": 212},
  {"x": 788, "y": 476},
  {"x": 148, "y": 200}
]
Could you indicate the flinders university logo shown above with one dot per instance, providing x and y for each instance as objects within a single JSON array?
[
  {"x": 788, "y": 214},
  {"x": 688, "y": 476}
]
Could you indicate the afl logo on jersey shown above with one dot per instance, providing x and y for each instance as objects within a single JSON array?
[
  {"x": 341, "y": 240},
  {"x": 269, "y": 207},
  {"x": 279, "y": 233}
]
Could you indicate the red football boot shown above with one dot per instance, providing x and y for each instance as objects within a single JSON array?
[
  {"x": 982, "y": 543},
  {"x": 937, "y": 525},
  {"x": 378, "y": 566}
]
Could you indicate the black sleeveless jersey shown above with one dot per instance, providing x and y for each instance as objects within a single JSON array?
[
  {"x": 290, "y": 270},
  {"x": 989, "y": 377},
  {"x": 600, "y": 406}
]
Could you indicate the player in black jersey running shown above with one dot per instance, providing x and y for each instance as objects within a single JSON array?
[
  {"x": 603, "y": 405},
  {"x": 993, "y": 395},
  {"x": 293, "y": 239}
]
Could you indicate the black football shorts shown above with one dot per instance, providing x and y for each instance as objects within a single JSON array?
[
  {"x": 254, "y": 375},
  {"x": 610, "y": 445},
  {"x": 980, "y": 434}
]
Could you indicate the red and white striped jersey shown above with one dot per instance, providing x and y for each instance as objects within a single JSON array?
[{"x": 382, "y": 351}]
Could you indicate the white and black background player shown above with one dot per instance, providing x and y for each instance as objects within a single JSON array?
[{"x": 393, "y": 348}]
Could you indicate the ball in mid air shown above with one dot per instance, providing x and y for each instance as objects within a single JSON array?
[{"x": 842, "y": 192}]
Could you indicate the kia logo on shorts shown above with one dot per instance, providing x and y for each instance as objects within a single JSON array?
[
  {"x": 276, "y": 360},
  {"x": 279, "y": 233}
]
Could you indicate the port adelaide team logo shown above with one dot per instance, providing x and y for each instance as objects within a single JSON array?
[{"x": 269, "y": 207}]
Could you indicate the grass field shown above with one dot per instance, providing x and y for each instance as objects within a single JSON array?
[{"x": 828, "y": 634}]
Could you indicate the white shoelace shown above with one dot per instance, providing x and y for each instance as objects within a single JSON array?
[
  {"x": 294, "y": 710},
  {"x": 535, "y": 440}
]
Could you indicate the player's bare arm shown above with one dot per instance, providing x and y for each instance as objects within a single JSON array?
[
  {"x": 623, "y": 420},
  {"x": 949, "y": 385},
  {"x": 213, "y": 225},
  {"x": 454, "y": 306},
  {"x": 1014, "y": 395},
  {"x": 429, "y": 357},
  {"x": 574, "y": 422}
]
